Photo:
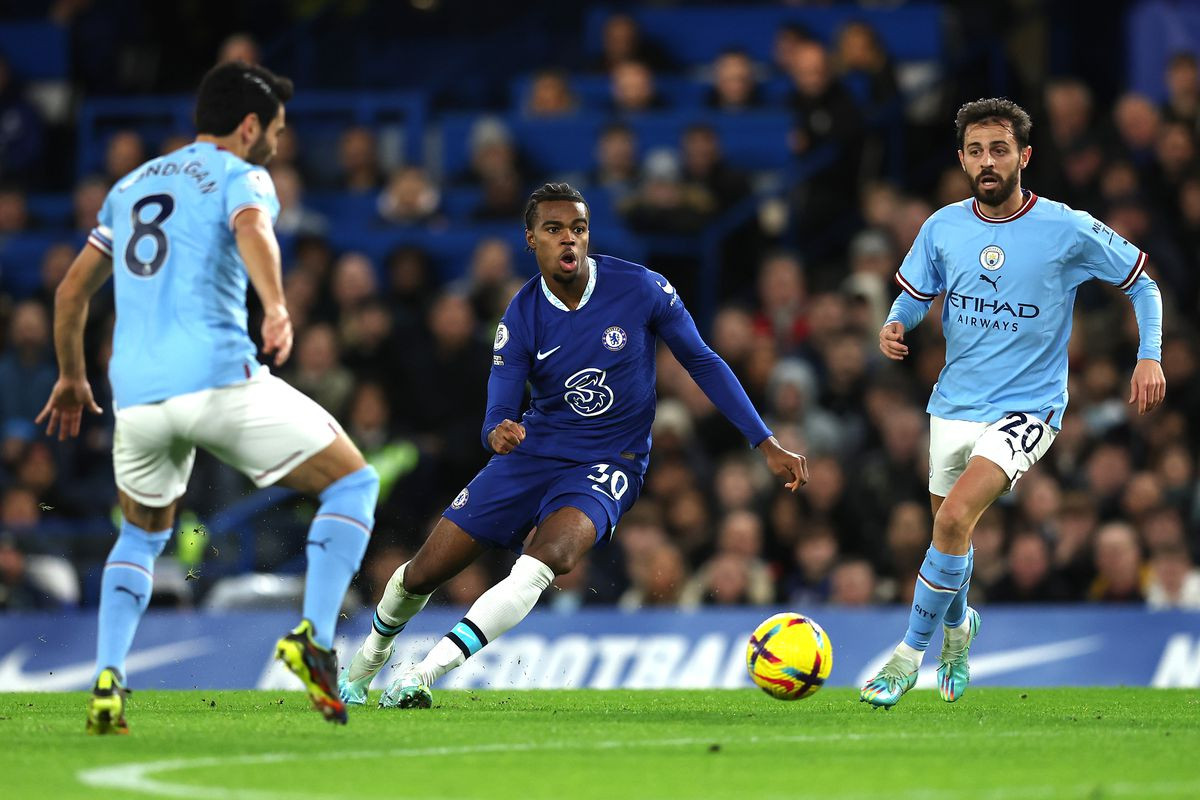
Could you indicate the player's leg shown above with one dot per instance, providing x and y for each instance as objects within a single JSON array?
[
  {"x": 275, "y": 434},
  {"x": 561, "y": 540},
  {"x": 151, "y": 467},
  {"x": 960, "y": 626},
  {"x": 447, "y": 552}
]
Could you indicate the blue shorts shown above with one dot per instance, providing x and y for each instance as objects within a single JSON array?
[{"x": 515, "y": 492}]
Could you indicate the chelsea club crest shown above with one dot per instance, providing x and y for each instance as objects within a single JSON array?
[
  {"x": 615, "y": 338},
  {"x": 991, "y": 258}
]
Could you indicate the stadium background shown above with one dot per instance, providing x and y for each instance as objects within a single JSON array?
[{"x": 775, "y": 161}]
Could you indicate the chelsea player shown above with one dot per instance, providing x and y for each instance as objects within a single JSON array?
[
  {"x": 180, "y": 235},
  {"x": 583, "y": 334},
  {"x": 1009, "y": 263}
]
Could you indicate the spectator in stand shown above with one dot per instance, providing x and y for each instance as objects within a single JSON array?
[
  {"x": 294, "y": 217},
  {"x": 792, "y": 394},
  {"x": 658, "y": 576},
  {"x": 811, "y": 579},
  {"x": 27, "y": 370},
  {"x": 1136, "y": 121},
  {"x": 494, "y": 154},
  {"x": 632, "y": 88},
  {"x": 664, "y": 202},
  {"x": 19, "y": 589},
  {"x": 783, "y": 300},
  {"x": 353, "y": 283},
  {"x": 826, "y": 115},
  {"x": 729, "y": 579},
  {"x": 952, "y": 186},
  {"x": 14, "y": 210},
  {"x": 1072, "y": 159},
  {"x": 410, "y": 199},
  {"x": 734, "y": 83},
  {"x": 622, "y": 40},
  {"x": 616, "y": 161},
  {"x": 1174, "y": 582},
  {"x": 86, "y": 201},
  {"x": 1029, "y": 577},
  {"x": 852, "y": 584},
  {"x": 863, "y": 61},
  {"x": 788, "y": 37},
  {"x": 21, "y": 136},
  {"x": 704, "y": 165},
  {"x": 410, "y": 290},
  {"x": 1120, "y": 574},
  {"x": 358, "y": 160},
  {"x": 550, "y": 95},
  {"x": 126, "y": 151},
  {"x": 318, "y": 372},
  {"x": 489, "y": 275},
  {"x": 239, "y": 46},
  {"x": 55, "y": 263},
  {"x": 1183, "y": 91}
]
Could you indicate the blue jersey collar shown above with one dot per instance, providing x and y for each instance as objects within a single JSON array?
[{"x": 587, "y": 292}]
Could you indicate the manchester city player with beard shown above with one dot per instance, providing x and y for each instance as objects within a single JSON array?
[
  {"x": 1009, "y": 263},
  {"x": 584, "y": 335}
]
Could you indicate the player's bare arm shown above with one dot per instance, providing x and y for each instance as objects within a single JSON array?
[
  {"x": 891, "y": 341},
  {"x": 72, "y": 393},
  {"x": 260, "y": 251},
  {"x": 1148, "y": 386},
  {"x": 792, "y": 467},
  {"x": 505, "y": 437}
]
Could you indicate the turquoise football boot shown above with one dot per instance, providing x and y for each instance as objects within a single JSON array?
[
  {"x": 407, "y": 691},
  {"x": 954, "y": 674},
  {"x": 889, "y": 685},
  {"x": 354, "y": 691}
]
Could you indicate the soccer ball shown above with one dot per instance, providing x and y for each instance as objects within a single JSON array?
[{"x": 789, "y": 656}]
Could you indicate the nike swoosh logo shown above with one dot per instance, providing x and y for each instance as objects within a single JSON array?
[
  {"x": 542, "y": 356},
  {"x": 67, "y": 677},
  {"x": 983, "y": 666},
  {"x": 667, "y": 287}
]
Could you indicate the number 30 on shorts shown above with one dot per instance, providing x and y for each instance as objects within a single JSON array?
[
  {"x": 1029, "y": 437},
  {"x": 614, "y": 484}
]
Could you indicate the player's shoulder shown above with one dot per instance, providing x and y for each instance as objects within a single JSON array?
[
  {"x": 642, "y": 276},
  {"x": 948, "y": 216}
]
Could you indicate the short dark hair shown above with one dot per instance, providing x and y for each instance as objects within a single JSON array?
[
  {"x": 994, "y": 109},
  {"x": 549, "y": 192},
  {"x": 232, "y": 90}
]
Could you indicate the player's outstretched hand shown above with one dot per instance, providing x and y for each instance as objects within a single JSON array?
[
  {"x": 792, "y": 467},
  {"x": 891, "y": 341},
  {"x": 64, "y": 409},
  {"x": 1148, "y": 386},
  {"x": 505, "y": 437},
  {"x": 277, "y": 334}
]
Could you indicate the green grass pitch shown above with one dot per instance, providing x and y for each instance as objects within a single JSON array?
[{"x": 1035, "y": 744}]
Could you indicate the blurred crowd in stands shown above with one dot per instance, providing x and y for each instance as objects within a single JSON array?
[{"x": 401, "y": 355}]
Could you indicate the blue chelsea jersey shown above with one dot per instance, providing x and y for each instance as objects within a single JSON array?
[
  {"x": 1010, "y": 289},
  {"x": 179, "y": 280},
  {"x": 592, "y": 370}
]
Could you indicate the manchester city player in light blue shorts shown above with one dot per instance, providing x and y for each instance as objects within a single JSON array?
[
  {"x": 180, "y": 236},
  {"x": 1009, "y": 263},
  {"x": 583, "y": 334}
]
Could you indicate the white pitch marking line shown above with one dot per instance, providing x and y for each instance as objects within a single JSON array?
[{"x": 136, "y": 777}]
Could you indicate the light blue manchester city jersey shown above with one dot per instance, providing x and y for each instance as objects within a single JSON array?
[
  {"x": 1010, "y": 289},
  {"x": 179, "y": 280}
]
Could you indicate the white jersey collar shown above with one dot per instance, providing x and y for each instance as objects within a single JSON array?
[{"x": 587, "y": 292}]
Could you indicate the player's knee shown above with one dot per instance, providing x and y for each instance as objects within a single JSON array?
[
  {"x": 953, "y": 522},
  {"x": 558, "y": 556}
]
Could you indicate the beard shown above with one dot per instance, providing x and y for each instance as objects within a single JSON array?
[
  {"x": 260, "y": 152},
  {"x": 998, "y": 194}
]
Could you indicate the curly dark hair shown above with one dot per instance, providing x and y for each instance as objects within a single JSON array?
[
  {"x": 552, "y": 191},
  {"x": 994, "y": 109}
]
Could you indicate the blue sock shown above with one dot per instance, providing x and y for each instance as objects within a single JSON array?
[
  {"x": 337, "y": 540},
  {"x": 125, "y": 592},
  {"x": 956, "y": 612},
  {"x": 940, "y": 579}
]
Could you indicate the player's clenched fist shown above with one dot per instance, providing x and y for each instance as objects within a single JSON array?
[
  {"x": 891, "y": 341},
  {"x": 505, "y": 437}
]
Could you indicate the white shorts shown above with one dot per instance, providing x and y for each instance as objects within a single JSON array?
[
  {"x": 262, "y": 427},
  {"x": 1014, "y": 443}
]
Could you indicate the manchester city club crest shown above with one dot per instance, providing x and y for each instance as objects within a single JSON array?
[
  {"x": 615, "y": 338},
  {"x": 991, "y": 257},
  {"x": 461, "y": 500}
]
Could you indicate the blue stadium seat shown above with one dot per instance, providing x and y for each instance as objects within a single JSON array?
[{"x": 36, "y": 50}]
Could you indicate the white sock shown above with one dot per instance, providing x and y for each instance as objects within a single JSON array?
[
  {"x": 497, "y": 610},
  {"x": 909, "y": 654},
  {"x": 395, "y": 609}
]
